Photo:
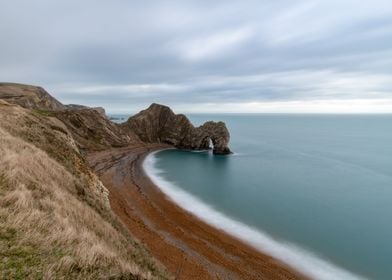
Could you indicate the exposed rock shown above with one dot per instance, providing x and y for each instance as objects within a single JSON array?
[
  {"x": 159, "y": 124},
  {"x": 30, "y": 97},
  {"x": 219, "y": 135}
]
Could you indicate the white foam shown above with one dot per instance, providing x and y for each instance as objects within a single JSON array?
[
  {"x": 199, "y": 151},
  {"x": 304, "y": 261}
]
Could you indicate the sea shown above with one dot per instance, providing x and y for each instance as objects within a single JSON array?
[{"x": 314, "y": 191}]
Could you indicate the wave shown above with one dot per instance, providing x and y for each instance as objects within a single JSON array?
[
  {"x": 199, "y": 151},
  {"x": 304, "y": 261}
]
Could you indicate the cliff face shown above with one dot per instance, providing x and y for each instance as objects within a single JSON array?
[
  {"x": 219, "y": 135},
  {"x": 159, "y": 124}
]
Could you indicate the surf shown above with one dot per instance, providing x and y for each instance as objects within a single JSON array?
[{"x": 306, "y": 262}]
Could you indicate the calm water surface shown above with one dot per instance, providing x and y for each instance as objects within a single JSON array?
[{"x": 321, "y": 182}]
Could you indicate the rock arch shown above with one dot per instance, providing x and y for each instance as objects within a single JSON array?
[
  {"x": 219, "y": 135},
  {"x": 159, "y": 124}
]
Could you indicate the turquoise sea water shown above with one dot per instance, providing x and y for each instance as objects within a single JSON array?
[{"x": 313, "y": 190}]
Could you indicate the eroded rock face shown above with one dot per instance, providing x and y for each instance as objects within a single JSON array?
[
  {"x": 219, "y": 135},
  {"x": 159, "y": 124}
]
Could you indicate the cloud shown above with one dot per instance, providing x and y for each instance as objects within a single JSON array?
[
  {"x": 305, "y": 86},
  {"x": 124, "y": 55},
  {"x": 334, "y": 106},
  {"x": 214, "y": 46}
]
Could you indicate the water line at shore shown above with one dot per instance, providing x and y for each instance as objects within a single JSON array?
[{"x": 304, "y": 261}]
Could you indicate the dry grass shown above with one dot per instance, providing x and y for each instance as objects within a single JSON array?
[{"x": 47, "y": 228}]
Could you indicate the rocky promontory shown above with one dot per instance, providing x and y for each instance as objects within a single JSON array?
[
  {"x": 159, "y": 124},
  {"x": 92, "y": 130}
]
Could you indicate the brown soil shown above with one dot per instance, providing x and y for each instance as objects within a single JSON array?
[{"x": 187, "y": 246}]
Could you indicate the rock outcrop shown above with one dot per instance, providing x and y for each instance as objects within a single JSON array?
[
  {"x": 219, "y": 135},
  {"x": 159, "y": 124}
]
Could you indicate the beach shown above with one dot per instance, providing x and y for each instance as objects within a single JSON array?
[{"x": 186, "y": 245}]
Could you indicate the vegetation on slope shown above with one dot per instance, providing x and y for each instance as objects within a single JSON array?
[{"x": 55, "y": 218}]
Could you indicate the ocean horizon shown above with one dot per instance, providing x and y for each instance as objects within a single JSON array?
[
  {"x": 196, "y": 140},
  {"x": 310, "y": 190}
]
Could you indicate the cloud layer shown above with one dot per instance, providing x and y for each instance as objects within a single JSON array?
[{"x": 203, "y": 56}]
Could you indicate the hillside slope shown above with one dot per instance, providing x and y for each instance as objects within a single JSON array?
[
  {"x": 55, "y": 217},
  {"x": 93, "y": 131},
  {"x": 28, "y": 96}
]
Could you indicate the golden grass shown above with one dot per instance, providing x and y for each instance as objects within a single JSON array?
[{"x": 49, "y": 231}]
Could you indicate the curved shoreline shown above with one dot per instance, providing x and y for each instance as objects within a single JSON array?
[
  {"x": 302, "y": 260},
  {"x": 188, "y": 246}
]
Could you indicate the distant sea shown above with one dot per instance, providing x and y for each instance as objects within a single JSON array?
[
  {"x": 118, "y": 118},
  {"x": 312, "y": 190}
]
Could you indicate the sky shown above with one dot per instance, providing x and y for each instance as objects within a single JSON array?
[{"x": 198, "y": 56}]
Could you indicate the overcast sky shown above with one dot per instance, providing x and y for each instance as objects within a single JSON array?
[{"x": 203, "y": 56}]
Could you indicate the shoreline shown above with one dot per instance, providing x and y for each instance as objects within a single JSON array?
[
  {"x": 186, "y": 245},
  {"x": 307, "y": 262}
]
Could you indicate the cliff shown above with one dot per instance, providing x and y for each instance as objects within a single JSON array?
[
  {"x": 159, "y": 124},
  {"x": 92, "y": 130},
  {"x": 55, "y": 217}
]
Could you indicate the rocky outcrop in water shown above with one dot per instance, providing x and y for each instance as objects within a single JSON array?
[
  {"x": 159, "y": 124},
  {"x": 219, "y": 135}
]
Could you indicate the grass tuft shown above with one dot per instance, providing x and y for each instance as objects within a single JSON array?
[{"x": 45, "y": 113}]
